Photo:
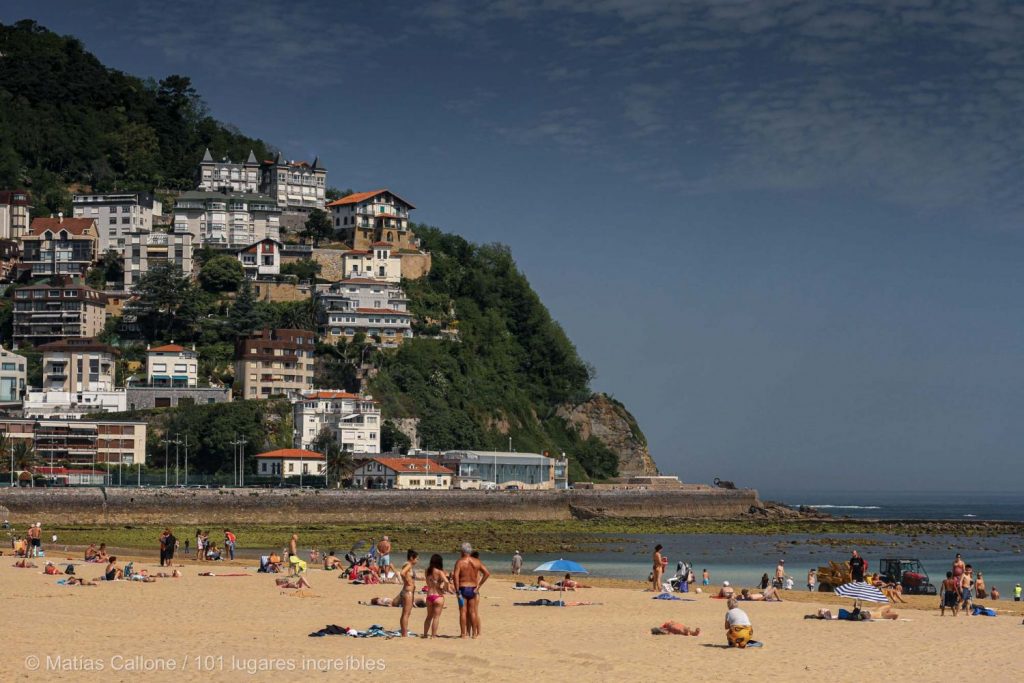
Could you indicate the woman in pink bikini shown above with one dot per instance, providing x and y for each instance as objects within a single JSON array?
[{"x": 437, "y": 586}]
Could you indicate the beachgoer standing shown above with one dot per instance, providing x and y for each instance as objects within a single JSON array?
[
  {"x": 1016, "y": 593},
  {"x": 780, "y": 574},
  {"x": 738, "y": 629},
  {"x": 958, "y": 567},
  {"x": 469, "y": 577},
  {"x": 950, "y": 594},
  {"x": 765, "y": 581},
  {"x": 857, "y": 566},
  {"x": 966, "y": 584},
  {"x": 437, "y": 586},
  {"x": 200, "y": 548},
  {"x": 705, "y": 578},
  {"x": 171, "y": 544},
  {"x": 517, "y": 563},
  {"x": 812, "y": 579},
  {"x": 979, "y": 587},
  {"x": 163, "y": 547},
  {"x": 229, "y": 543},
  {"x": 657, "y": 568},
  {"x": 384, "y": 550},
  {"x": 408, "y": 589},
  {"x": 35, "y": 540}
]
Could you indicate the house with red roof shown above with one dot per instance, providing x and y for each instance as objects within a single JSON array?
[
  {"x": 59, "y": 246},
  {"x": 290, "y": 462},
  {"x": 172, "y": 365},
  {"x": 402, "y": 473},
  {"x": 381, "y": 215}
]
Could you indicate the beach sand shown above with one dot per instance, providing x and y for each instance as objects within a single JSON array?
[{"x": 236, "y": 628}]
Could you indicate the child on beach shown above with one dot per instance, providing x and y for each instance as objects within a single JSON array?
[{"x": 705, "y": 578}]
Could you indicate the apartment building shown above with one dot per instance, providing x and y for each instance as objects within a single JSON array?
[
  {"x": 262, "y": 259},
  {"x": 275, "y": 363},
  {"x": 117, "y": 216},
  {"x": 14, "y": 214},
  {"x": 296, "y": 186},
  {"x": 78, "y": 377},
  {"x": 229, "y": 220},
  {"x": 227, "y": 176},
  {"x": 59, "y": 246},
  {"x": 172, "y": 365},
  {"x": 62, "y": 309},
  {"x": 376, "y": 216},
  {"x": 353, "y": 420},
  {"x": 12, "y": 377},
  {"x": 81, "y": 442},
  {"x": 144, "y": 250},
  {"x": 10, "y": 257},
  {"x": 377, "y": 308}
]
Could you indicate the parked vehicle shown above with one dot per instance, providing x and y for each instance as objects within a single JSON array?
[{"x": 909, "y": 573}]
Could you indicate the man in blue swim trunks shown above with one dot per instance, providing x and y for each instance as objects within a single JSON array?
[{"x": 470, "y": 575}]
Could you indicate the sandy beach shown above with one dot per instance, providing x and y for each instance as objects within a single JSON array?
[{"x": 236, "y": 628}]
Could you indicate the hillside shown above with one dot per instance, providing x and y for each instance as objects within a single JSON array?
[
  {"x": 488, "y": 364},
  {"x": 68, "y": 119}
]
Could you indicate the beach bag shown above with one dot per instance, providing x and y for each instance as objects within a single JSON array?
[{"x": 70, "y": 569}]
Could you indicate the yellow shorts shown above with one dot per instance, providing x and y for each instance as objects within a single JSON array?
[{"x": 739, "y": 636}]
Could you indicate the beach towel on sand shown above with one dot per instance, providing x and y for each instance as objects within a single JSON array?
[
  {"x": 375, "y": 631},
  {"x": 669, "y": 596},
  {"x": 529, "y": 588}
]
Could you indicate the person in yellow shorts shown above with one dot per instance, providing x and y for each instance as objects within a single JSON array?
[{"x": 738, "y": 628}]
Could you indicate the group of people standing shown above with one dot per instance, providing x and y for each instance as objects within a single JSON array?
[
  {"x": 465, "y": 583},
  {"x": 960, "y": 587}
]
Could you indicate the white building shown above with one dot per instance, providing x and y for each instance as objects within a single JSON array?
[
  {"x": 226, "y": 219},
  {"x": 224, "y": 175},
  {"x": 377, "y": 262},
  {"x": 12, "y": 377},
  {"x": 296, "y": 186},
  {"x": 172, "y": 365},
  {"x": 491, "y": 469},
  {"x": 376, "y": 308},
  {"x": 144, "y": 250},
  {"x": 354, "y": 421},
  {"x": 14, "y": 214},
  {"x": 117, "y": 215},
  {"x": 290, "y": 462},
  {"x": 78, "y": 378},
  {"x": 261, "y": 259},
  {"x": 402, "y": 473}
]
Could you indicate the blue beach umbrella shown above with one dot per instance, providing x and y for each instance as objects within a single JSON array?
[
  {"x": 861, "y": 590},
  {"x": 562, "y": 567}
]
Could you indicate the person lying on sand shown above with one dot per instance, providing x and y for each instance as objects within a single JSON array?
[
  {"x": 770, "y": 594},
  {"x": 546, "y": 584},
  {"x": 300, "y": 583},
  {"x": 143, "y": 576},
  {"x": 176, "y": 574},
  {"x": 79, "y": 581},
  {"x": 726, "y": 591},
  {"x": 570, "y": 584},
  {"x": 675, "y": 628},
  {"x": 24, "y": 564},
  {"x": 392, "y": 602}
]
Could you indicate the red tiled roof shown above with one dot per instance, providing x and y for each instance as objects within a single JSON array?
[
  {"x": 413, "y": 465},
  {"x": 75, "y": 226},
  {"x": 330, "y": 394},
  {"x": 383, "y": 310},
  {"x": 359, "y": 197},
  {"x": 292, "y": 454},
  {"x": 167, "y": 348}
]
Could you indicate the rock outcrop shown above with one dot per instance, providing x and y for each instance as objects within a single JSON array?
[{"x": 609, "y": 421}]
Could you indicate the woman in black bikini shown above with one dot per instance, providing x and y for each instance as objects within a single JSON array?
[
  {"x": 408, "y": 590},
  {"x": 437, "y": 586},
  {"x": 111, "y": 573}
]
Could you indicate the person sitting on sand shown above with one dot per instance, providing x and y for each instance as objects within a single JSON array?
[
  {"x": 300, "y": 582},
  {"x": 101, "y": 553},
  {"x": 212, "y": 553},
  {"x": 726, "y": 591},
  {"x": 112, "y": 572},
  {"x": 544, "y": 583},
  {"x": 894, "y": 592},
  {"x": 571, "y": 584},
  {"x": 274, "y": 563},
  {"x": 20, "y": 547},
  {"x": 331, "y": 562},
  {"x": 675, "y": 628},
  {"x": 50, "y": 568},
  {"x": 994, "y": 593},
  {"x": 738, "y": 629},
  {"x": 91, "y": 553}
]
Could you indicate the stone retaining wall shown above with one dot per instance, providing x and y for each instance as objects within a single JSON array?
[{"x": 267, "y": 506}]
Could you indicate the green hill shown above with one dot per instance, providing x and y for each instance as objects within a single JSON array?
[{"x": 488, "y": 365}]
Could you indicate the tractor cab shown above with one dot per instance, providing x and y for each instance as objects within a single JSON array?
[{"x": 909, "y": 573}]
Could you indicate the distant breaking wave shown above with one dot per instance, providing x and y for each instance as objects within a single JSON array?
[{"x": 847, "y": 507}]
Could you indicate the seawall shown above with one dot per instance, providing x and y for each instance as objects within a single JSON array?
[{"x": 266, "y": 506}]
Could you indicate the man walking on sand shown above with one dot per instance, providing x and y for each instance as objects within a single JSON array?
[
  {"x": 35, "y": 540},
  {"x": 470, "y": 575},
  {"x": 857, "y": 566},
  {"x": 384, "y": 551},
  {"x": 517, "y": 564}
]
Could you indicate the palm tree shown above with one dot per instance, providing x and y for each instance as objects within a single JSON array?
[
  {"x": 5, "y": 453},
  {"x": 24, "y": 455}
]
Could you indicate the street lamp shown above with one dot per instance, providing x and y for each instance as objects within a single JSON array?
[
  {"x": 166, "y": 443},
  {"x": 186, "y": 460}
]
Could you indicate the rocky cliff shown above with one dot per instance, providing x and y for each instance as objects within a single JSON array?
[{"x": 609, "y": 421}]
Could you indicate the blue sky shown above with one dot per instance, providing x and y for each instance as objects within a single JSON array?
[{"x": 787, "y": 233}]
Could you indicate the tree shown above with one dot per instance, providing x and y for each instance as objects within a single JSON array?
[
  {"x": 168, "y": 304},
  {"x": 109, "y": 268},
  {"x": 393, "y": 440},
  {"x": 339, "y": 463},
  {"x": 240, "y": 317},
  {"x": 333, "y": 193},
  {"x": 305, "y": 270},
  {"x": 24, "y": 454},
  {"x": 5, "y": 450},
  {"x": 221, "y": 274},
  {"x": 318, "y": 226}
]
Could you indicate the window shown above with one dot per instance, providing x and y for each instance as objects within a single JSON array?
[
  {"x": 112, "y": 220},
  {"x": 291, "y": 467},
  {"x": 126, "y": 219}
]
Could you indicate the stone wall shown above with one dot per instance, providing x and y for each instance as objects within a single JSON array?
[
  {"x": 140, "y": 398},
  {"x": 269, "y": 506}
]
